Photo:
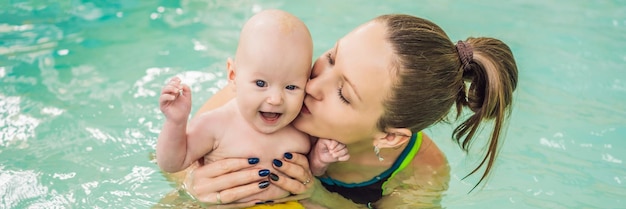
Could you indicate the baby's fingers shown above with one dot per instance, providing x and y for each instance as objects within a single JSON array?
[
  {"x": 175, "y": 81},
  {"x": 332, "y": 144},
  {"x": 184, "y": 90},
  {"x": 343, "y": 158},
  {"x": 166, "y": 98},
  {"x": 338, "y": 146},
  {"x": 341, "y": 155},
  {"x": 171, "y": 89}
]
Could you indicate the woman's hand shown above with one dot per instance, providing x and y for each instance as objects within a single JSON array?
[
  {"x": 225, "y": 181},
  {"x": 301, "y": 183},
  {"x": 298, "y": 180}
]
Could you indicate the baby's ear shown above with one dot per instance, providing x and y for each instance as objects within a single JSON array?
[
  {"x": 230, "y": 68},
  {"x": 393, "y": 137}
]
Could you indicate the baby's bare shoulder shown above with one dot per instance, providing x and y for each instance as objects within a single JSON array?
[{"x": 299, "y": 140}]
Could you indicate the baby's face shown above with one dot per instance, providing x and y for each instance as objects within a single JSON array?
[
  {"x": 270, "y": 84},
  {"x": 272, "y": 66}
]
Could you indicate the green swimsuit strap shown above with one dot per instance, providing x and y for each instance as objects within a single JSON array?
[{"x": 407, "y": 159}]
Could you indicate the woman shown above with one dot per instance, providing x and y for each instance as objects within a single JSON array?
[{"x": 374, "y": 91}]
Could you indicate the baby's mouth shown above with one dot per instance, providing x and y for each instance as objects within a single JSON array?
[{"x": 270, "y": 116}]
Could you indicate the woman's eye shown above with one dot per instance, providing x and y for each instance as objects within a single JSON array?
[
  {"x": 260, "y": 83},
  {"x": 341, "y": 97},
  {"x": 291, "y": 87},
  {"x": 330, "y": 59}
]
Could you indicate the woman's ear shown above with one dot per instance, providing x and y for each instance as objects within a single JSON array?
[
  {"x": 393, "y": 137},
  {"x": 230, "y": 67}
]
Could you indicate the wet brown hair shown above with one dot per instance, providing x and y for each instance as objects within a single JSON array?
[{"x": 430, "y": 79}]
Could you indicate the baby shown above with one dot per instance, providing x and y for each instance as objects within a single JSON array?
[{"x": 269, "y": 73}]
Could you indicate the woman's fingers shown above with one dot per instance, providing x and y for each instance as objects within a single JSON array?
[
  {"x": 221, "y": 167},
  {"x": 240, "y": 192},
  {"x": 294, "y": 186},
  {"x": 205, "y": 185},
  {"x": 224, "y": 174},
  {"x": 230, "y": 178},
  {"x": 233, "y": 194},
  {"x": 299, "y": 160},
  {"x": 232, "y": 205},
  {"x": 297, "y": 168}
]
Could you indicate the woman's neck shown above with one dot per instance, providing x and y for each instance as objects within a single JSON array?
[{"x": 363, "y": 164}]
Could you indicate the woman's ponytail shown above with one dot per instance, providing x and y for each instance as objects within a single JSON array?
[{"x": 492, "y": 74}]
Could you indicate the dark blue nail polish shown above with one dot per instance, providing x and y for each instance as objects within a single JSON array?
[
  {"x": 277, "y": 163},
  {"x": 288, "y": 155},
  {"x": 259, "y": 203},
  {"x": 274, "y": 177},
  {"x": 264, "y": 184},
  {"x": 269, "y": 201},
  {"x": 253, "y": 160},
  {"x": 264, "y": 172}
]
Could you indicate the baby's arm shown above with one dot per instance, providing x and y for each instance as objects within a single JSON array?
[
  {"x": 173, "y": 153},
  {"x": 325, "y": 152}
]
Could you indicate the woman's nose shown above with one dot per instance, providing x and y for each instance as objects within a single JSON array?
[{"x": 314, "y": 86}]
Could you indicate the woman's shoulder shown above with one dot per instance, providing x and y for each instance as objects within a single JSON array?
[
  {"x": 422, "y": 183},
  {"x": 429, "y": 155},
  {"x": 428, "y": 163},
  {"x": 428, "y": 166}
]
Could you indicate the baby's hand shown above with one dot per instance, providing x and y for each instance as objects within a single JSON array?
[
  {"x": 325, "y": 152},
  {"x": 175, "y": 100},
  {"x": 331, "y": 151}
]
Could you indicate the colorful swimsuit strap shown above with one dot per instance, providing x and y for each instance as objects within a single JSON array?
[
  {"x": 407, "y": 160},
  {"x": 403, "y": 160}
]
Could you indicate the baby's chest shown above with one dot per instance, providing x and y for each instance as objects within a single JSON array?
[{"x": 262, "y": 146}]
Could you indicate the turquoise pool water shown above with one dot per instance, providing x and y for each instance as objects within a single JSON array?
[{"x": 79, "y": 81}]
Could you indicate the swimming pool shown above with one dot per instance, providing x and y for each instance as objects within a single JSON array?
[{"x": 79, "y": 82}]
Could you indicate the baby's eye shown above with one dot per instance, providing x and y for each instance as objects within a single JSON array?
[
  {"x": 291, "y": 87},
  {"x": 260, "y": 83}
]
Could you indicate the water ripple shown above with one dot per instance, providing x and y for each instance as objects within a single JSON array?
[
  {"x": 28, "y": 40},
  {"x": 14, "y": 126},
  {"x": 17, "y": 187}
]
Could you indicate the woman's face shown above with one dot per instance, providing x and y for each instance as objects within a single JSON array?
[{"x": 347, "y": 87}]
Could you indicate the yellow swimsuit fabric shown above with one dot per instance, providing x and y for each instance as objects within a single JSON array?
[{"x": 287, "y": 205}]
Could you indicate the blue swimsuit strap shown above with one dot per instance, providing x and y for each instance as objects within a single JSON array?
[{"x": 387, "y": 173}]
